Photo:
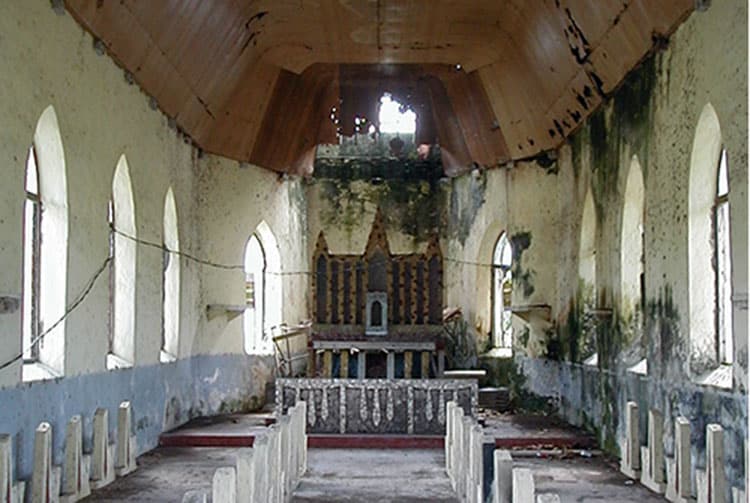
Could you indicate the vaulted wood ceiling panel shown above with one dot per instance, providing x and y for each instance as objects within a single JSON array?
[
  {"x": 632, "y": 36},
  {"x": 534, "y": 68},
  {"x": 516, "y": 101},
  {"x": 481, "y": 131},
  {"x": 239, "y": 120}
]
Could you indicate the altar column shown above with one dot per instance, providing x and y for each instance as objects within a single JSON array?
[{"x": 361, "y": 365}]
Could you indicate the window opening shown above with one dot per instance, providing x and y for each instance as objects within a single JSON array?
[
  {"x": 45, "y": 250},
  {"x": 587, "y": 252},
  {"x": 709, "y": 255},
  {"x": 254, "y": 318},
  {"x": 121, "y": 216},
  {"x": 170, "y": 280},
  {"x": 723, "y": 263},
  {"x": 31, "y": 263},
  {"x": 112, "y": 277},
  {"x": 632, "y": 254},
  {"x": 502, "y": 327}
]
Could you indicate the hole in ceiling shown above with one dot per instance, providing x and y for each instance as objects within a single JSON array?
[{"x": 394, "y": 117}]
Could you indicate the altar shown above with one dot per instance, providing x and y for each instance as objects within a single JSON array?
[
  {"x": 417, "y": 356},
  {"x": 379, "y": 314}
]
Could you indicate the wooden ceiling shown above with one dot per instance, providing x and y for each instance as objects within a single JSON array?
[{"x": 255, "y": 80}]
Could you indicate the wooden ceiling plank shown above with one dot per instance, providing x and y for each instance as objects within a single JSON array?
[
  {"x": 474, "y": 127},
  {"x": 488, "y": 127}
]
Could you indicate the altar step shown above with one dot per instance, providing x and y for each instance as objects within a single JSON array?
[
  {"x": 319, "y": 441},
  {"x": 508, "y": 432},
  {"x": 232, "y": 430}
]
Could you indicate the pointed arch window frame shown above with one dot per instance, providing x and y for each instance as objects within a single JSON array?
[
  {"x": 501, "y": 273},
  {"x": 32, "y": 240},
  {"x": 47, "y": 359},
  {"x": 255, "y": 342},
  {"x": 171, "y": 279},
  {"x": 123, "y": 255}
]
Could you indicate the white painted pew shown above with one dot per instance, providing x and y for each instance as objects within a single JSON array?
[
  {"x": 10, "y": 491},
  {"x": 77, "y": 466},
  {"x": 679, "y": 482},
  {"x": 652, "y": 456},
  {"x": 630, "y": 449},
  {"x": 103, "y": 456}
]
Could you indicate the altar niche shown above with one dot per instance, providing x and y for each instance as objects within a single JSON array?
[
  {"x": 377, "y": 313},
  {"x": 377, "y": 308}
]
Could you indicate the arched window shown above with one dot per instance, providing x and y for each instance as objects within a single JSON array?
[
  {"x": 587, "y": 251},
  {"x": 502, "y": 287},
  {"x": 170, "y": 282},
  {"x": 631, "y": 240},
  {"x": 255, "y": 267},
  {"x": 587, "y": 278},
  {"x": 45, "y": 257},
  {"x": 709, "y": 250},
  {"x": 262, "y": 290},
  {"x": 122, "y": 269},
  {"x": 31, "y": 253}
]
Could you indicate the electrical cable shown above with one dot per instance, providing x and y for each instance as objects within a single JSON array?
[
  {"x": 77, "y": 302},
  {"x": 241, "y": 267},
  {"x": 90, "y": 284}
]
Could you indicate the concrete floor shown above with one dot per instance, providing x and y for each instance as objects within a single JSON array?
[
  {"x": 375, "y": 475},
  {"x": 165, "y": 474},
  {"x": 584, "y": 480}
]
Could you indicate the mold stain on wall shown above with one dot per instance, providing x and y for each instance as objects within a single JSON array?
[
  {"x": 412, "y": 205},
  {"x": 522, "y": 278},
  {"x": 467, "y": 196}
]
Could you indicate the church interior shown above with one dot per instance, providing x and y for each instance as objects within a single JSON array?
[{"x": 478, "y": 250}]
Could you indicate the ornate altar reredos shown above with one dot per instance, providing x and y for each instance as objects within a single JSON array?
[{"x": 377, "y": 314}]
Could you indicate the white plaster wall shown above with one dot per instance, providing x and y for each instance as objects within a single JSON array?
[
  {"x": 49, "y": 60},
  {"x": 520, "y": 199},
  {"x": 705, "y": 62},
  {"x": 233, "y": 201}
]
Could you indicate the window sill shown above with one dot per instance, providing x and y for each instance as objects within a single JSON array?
[
  {"x": 260, "y": 352},
  {"x": 592, "y": 361},
  {"x": 37, "y": 371},
  {"x": 640, "y": 368},
  {"x": 720, "y": 377},
  {"x": 165, "y": 357},
  {"x": 116, "y": 362},
  {"x": 499, "y": 353}
]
